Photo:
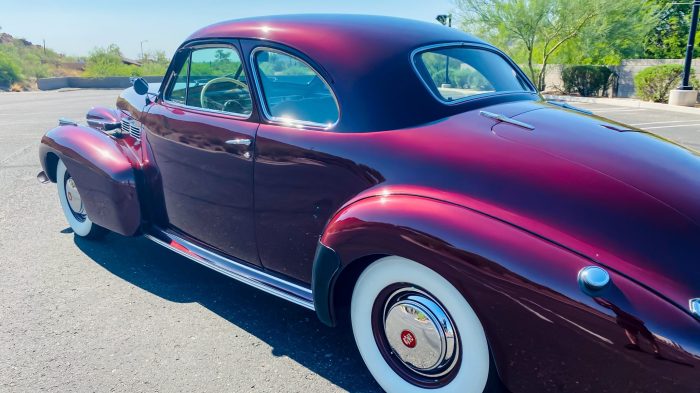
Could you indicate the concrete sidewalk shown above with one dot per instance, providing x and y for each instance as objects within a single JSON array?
[{"x": 626, "y": 102}]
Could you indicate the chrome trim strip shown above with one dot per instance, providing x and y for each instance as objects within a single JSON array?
[
  {"x": 261, "y": 98},
  {"x": 506, "y": 119},
  {"x": 254, "y": 277},
  {"x": 475, "y": 45},
  {"x": 565, "y": 105},
  {"x": 237, "y": 116}
]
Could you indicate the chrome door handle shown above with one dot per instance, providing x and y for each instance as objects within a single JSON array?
[{"x": 239, "y": 141}]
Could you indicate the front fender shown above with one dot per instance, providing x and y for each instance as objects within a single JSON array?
[
  {"x": 104, "y": 172},
  {"x": 545, "y": 333}
]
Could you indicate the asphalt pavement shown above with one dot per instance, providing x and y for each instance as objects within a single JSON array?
[{"x": 123, "y": 314}]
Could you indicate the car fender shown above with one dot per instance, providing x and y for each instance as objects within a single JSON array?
[
  {"x": 523, "y": 287},
  {"x": 103, "y": 168}
]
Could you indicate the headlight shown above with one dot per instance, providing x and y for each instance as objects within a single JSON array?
[{"x": 695, "y": 307}]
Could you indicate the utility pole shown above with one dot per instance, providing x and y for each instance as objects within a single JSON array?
[
  {"x": 685, "y": 95},
  {"x": 142, "y": 57},
  {"x": 446, "y": 20}
]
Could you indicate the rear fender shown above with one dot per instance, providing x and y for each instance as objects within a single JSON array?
[
  {"x": 103, "y": 170},
  {"x": 523, "y": 288}
]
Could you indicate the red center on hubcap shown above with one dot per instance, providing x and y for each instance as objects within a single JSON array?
[{"x": 408, "y": 338}]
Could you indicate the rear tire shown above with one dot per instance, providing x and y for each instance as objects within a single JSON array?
[
  {"x": 398, "y": 297},
  {"x": 72, "y": 206}
]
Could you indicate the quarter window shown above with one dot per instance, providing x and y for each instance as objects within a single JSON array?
[
  {"x": 293, "y": 92},
  {"x": 458, "y": 73}
]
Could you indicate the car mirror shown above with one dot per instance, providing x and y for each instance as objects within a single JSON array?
[{"x": 140, "y": 86}]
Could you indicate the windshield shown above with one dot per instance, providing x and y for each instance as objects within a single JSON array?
[{"x": 458, "y": 73}]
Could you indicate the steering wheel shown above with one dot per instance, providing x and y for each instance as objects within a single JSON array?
[{"x": 203, "y": 100}]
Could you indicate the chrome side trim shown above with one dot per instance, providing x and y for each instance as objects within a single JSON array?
[
  {"x": 506, "y": 119},
  {"x": 565, "y": 105},
  {"x": 239, "y": 271},
  {"x": 237, "y": 116},
  {"x": 263, "y": 104}
]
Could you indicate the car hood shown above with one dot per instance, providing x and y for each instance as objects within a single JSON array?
[{"x": 621, "y": 196}]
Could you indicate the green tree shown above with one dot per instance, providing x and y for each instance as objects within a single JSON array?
[
  {"x": 534, "y": 32},
  {"x": 616, "y": 35},
  {"x": 669, "y": 36}
]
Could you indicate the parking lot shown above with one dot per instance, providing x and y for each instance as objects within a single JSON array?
[{"x": 125, "y": 315}]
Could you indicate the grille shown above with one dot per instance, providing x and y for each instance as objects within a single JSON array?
[{"x": 132, "y": 128}]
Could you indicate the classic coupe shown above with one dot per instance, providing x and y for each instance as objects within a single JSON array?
[{"x": 407, "y": 179}]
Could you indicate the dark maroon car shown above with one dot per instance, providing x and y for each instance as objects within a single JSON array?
[{"x": 407, "y": 179}]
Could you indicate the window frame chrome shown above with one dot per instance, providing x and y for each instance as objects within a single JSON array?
[
  {"x": 302, "y": 124},
  {"x": 191, "y": 49},
  {"x": 469, "y": 45}
]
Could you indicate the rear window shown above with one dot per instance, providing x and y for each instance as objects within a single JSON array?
[{"x": 458, "y": 73}]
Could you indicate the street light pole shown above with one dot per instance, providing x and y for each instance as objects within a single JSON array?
[
  {"x": 689, "y": 49},
  {"x": 685, "y": 94}
]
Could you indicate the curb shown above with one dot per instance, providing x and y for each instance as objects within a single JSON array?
[{"x": 626, "y": 102}]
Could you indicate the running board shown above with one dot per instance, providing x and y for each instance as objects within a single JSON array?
[{"x": 240, "y": 271}]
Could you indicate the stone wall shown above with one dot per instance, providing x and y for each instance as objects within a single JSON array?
[{"x": 625, "y": 71}]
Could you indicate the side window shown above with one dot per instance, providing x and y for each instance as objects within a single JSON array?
[
  {"x": 179, "y": 88},
  {"x": 293, "y": 92},
  {"x": 218, "y": 81}
]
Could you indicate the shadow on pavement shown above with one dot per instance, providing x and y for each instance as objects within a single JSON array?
[{"x": 289, "y": 329}]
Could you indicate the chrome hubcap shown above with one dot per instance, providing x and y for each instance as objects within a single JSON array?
[
  {"x": 420, "y": 333},
  {"x": 73, "y": 197}
]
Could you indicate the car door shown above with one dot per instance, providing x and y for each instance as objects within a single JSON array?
[
  {"x": 301, "y": 177},
  {"x": 202, "y": 133}
]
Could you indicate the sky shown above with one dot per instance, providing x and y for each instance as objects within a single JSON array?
[{"x": 74, "y": 27}]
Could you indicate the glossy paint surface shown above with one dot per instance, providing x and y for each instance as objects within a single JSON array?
[
  {"x": 370, "y": 71},
  {"x": 104, "y": 171},
  {"x": 509, "y": 215},
  {"x": 207, "y": 184},
  {"x": 545, "y": 333}
]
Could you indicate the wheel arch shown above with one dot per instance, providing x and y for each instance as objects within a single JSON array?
[
  {"x": 470, "y": 249},
  {"x": 104, "y": 172}
]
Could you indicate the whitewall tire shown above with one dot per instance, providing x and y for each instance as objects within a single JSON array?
[
  {"x": 72, "y": 206},
  {"x": 415, "y": 331}
]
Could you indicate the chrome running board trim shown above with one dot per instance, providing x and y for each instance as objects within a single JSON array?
[{"x": 239, "y": 271}]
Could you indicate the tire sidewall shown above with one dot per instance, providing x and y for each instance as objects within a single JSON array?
[
  {"x": 80, "y": 228},
  {"x": 473, "y": 371}
]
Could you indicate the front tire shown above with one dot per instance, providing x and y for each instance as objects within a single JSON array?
[
  {"x": 415, "y": 331},
  {"x": 72, "y": 206}
]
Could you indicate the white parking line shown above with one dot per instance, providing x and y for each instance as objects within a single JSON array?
[
  {"x": 620, "y": 110},
  {"x": 674, "y": 126},
  {"x": 662, "y": 122}
]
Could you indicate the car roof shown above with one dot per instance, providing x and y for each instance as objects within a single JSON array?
[
  {"x": 366, "y": 59},
  {"x": 307, "y": 32}
]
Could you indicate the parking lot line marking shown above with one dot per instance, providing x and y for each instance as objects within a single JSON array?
[
  {"x": 673, "y": 126},
  {"x": 662, "y": 122},
  {"x": 621, "y": 110}
]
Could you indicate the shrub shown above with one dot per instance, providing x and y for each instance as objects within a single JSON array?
[
  {"x": 586, "y": 80},
  {"x": 9, "y": 71},
  {"x": 656, "y": 82},
  {"x": 104, "y": 62}
]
